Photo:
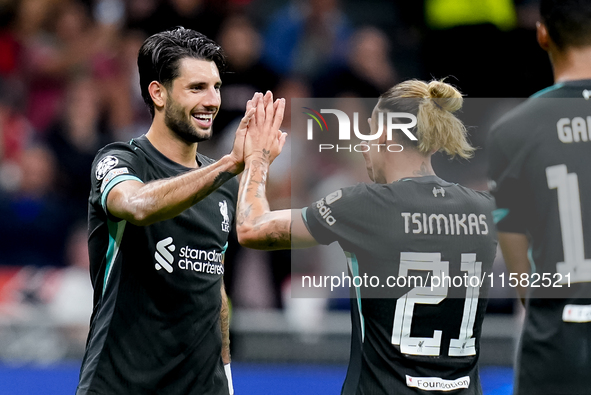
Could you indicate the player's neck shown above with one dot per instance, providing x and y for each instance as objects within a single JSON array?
[
  {"x": 572, "y": 64},
  {"x": 171, "y": 145},
  {"x": 407, "y": 166}
]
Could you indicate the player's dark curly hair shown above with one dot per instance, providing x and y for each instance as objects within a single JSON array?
[
  {"x": 159, "y": 57},
  {"x": 568, "y": 22}
]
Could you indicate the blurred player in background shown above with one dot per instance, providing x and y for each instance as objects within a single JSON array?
[
  {"x": 540, "y": 156},
  {"x": 406, "y": 339},
  {"x": 159, "y": 217}
]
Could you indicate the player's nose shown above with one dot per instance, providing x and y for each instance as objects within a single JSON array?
[{"x": 212, "y": 98}]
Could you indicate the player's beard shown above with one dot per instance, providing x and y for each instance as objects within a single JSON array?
[{"x": 180, "y": 123}]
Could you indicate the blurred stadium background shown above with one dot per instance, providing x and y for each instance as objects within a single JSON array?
[{"x": 69, "y": 85}]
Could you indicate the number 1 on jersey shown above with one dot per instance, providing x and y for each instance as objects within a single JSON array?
[
  {"x": 571, "y": 224},
  {"x": 465, "y": 344}
]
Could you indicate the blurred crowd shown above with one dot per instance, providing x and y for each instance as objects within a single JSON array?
[{"x": 69, "y": 85}]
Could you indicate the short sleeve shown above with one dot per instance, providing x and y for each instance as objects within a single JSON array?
[
  {"x": 506, "y": 184},
  {"x": 334, "y": 217},
  {"x": 112, "y": 165}
]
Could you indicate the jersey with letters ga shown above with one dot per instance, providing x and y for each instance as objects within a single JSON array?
[
  {"x": 155, "y": 328},
  {"x": 539, "y": 161},
  {"x": 409, "y": 338}
]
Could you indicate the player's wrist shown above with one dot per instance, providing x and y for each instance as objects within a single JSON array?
[
  {"x": 234, "y": 164},
  {"x": 261, "y": 156}
]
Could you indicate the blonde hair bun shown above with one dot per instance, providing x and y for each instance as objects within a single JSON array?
[
  {"x": 445, "y": 96},
  {"x": 437, "y": 128}
]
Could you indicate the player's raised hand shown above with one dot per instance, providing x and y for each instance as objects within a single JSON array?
[
  {"x": 238, "y": 148},
  {"x": 264, "y": 140}
]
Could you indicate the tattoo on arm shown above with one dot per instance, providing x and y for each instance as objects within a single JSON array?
[
  {"x": 258, "y": 179},
  {"x": 254, "y": 179},
  {"x": 243, "y": 215},
  {"x": 269, "y": 230},
  {"x": 266, "y": 153},
  {"x": 279, "y": 237},
  {"x": 222, "y": 178},
  {"x": 219, "y": 180}
]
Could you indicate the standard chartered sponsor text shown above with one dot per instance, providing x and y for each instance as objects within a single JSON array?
[{"x": 201, "y": 261}]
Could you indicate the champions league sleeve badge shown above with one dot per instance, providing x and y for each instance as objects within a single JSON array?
[{"x": 103, "y": 167}]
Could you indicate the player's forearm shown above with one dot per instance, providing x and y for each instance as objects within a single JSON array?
[
  {"x": 258, "y": 227},
  {"x": 225, "y": 327},
  {"x": 515, "y": 249},
  {"x": 164, "y": 199}
]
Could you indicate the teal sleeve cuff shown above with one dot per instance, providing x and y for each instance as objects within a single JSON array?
[
  {"x": 304, "y": 215},
  {"x": 110, "y": 186}
]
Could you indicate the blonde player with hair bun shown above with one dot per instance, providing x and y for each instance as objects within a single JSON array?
[
  {"x": 406, "y": 339},
  {"x": 437, "y": 129}
]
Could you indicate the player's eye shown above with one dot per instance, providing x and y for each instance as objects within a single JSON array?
[{"x": 196, "y": 88}]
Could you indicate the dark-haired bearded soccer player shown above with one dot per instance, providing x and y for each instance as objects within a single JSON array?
[
  {"x": 159, "y": 217},
  {"x": 405, "y": 340},
  {"x": 540, "y": 161}
]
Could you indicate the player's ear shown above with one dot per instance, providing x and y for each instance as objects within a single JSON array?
[
  {"x": 383, "y": 139},
  {"x": 542, "y": 36},
  {"x": 157, "y": 93}
]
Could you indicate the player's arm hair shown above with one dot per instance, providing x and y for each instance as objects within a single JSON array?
[
  {"x": 257, "y": 226},
  {"x": 225, "y": 326},
  {"x": 144, "y": 204},
  {"x": 515, "y": 247}
]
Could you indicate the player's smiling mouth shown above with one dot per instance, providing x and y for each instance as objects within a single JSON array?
[{"x": 203, "y": 119}]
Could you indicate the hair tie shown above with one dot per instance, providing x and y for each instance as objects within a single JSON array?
[{"x": 437, "y": 104}]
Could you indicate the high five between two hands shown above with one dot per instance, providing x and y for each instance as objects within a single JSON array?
[{"x": 258, "y": 137}]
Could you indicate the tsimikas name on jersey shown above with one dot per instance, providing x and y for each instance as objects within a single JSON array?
[
  {"x": 210, "y": 262},
  {"x": 446, "y": 224}
]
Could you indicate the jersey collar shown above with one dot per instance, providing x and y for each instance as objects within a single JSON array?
[{"x": 147, "y": 146}]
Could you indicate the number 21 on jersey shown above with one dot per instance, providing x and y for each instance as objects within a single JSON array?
[{"x": 464, "y": 344}]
